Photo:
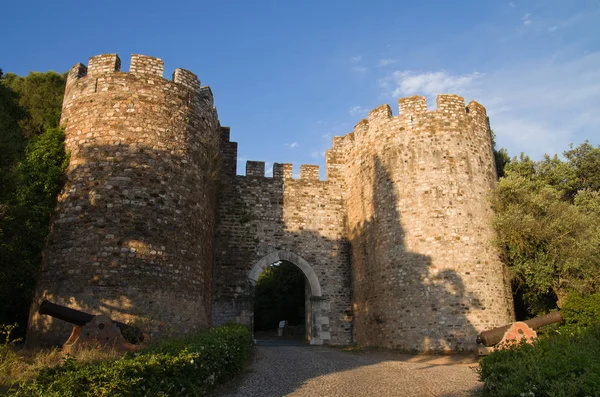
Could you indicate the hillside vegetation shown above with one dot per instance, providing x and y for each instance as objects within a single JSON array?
[{"x": 31, "y": 166}]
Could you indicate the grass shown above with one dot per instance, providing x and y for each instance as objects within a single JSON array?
[{"x": 188, "y": 366}]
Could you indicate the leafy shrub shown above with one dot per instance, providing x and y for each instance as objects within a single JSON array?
[
  {"x": 581, "y": 311},
  {"x": 24, "y": 222},
  {"x": 558, "y": 365},
  {"x": 188, "y": 366},
  {"x": 32, "y": 159}
]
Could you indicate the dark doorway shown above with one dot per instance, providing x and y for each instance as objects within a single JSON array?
[{"x": 280, "y": 295}]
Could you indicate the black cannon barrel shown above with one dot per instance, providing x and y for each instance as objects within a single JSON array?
[
  {"x": 131, "y": 334},
  {"x": 64, "y": 313},
  {"x": 495, "y": 335}
]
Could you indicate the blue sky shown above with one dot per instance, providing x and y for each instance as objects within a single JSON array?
[{"x": 289, "y": 75}]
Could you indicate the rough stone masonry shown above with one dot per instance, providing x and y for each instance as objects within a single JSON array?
[{"x": 154, "y": 225}]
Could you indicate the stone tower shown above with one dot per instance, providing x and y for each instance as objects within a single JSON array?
[
  {"x": 416, "y": 193},
  {"x": 394, "y": 243},
  {"x": 132, "y": 236}
]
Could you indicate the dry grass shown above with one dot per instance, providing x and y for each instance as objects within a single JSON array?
[{"x": 19, "y": 364}]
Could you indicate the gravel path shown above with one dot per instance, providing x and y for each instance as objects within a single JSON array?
[{"x": 293, "y": 369}]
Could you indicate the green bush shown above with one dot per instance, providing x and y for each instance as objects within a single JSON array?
[
  {"x": 24, "y": 222},
  {"x": 581, "y": 311},
  {"x": 32, "y": 160},
  {"x": 188, "y": 366},
  {"x": 558, "y": 365}
]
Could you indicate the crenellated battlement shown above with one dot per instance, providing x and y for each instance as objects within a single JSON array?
[
  {"x": 100, "y": 66},
  {"x": 255, "y": 168},
  {"x": 450, "y": 117},
  {"x": 308, "y": 172},
  {"x": 104, "y": 63},
  {"x": 413, "y": 113},
  {"x": 142, "y": 64}
]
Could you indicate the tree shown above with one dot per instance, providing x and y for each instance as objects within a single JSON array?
[
  {"x": 12, "y": 142},
  {"x": 32, "y": 162},
  {"x": 41, "y": 94},
  {"x": 501, "y": 157},
  {"x": 24, "y": 226},
  {"x": 279, "y": 295},
  {"x": 547, "y": 217}
]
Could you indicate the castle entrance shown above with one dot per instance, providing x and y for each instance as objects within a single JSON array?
[
  {"x": 280, "y": 303},
  {"x": 261, "y": 313}
]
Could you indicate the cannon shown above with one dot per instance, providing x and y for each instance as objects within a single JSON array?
[
  {"x": 94, "y": 329},
  {"x": 515, "y": 331}
]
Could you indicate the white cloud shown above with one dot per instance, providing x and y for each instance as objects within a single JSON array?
[
  {"x": 357, "y": 58},
  {"x": 292, "y": 145},
  {"x": 407, "y": 82},
  {"x": 386, "y": 62},
  {"x": 512, "y": 4},
  {"x": 526, "y": 19},
  {"x": 357, "y": 110},
  {"x": 359, "y": 69},
  {"x": 318, "y": 154},
  {"x": 542, "y": 107},
  {"x": 535, "y": 106},
  {"x": 552, "y": 29}
]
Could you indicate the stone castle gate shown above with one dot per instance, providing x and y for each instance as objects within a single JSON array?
[
  {"x": 317, "y": 311},
  {"x": 155, "y": 223}
]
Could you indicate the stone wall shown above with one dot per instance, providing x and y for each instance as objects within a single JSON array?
[
  {"x": 132, "y": 236},
  {"x": 416, "y": 188},
  {"x": 259, "y": 216}
]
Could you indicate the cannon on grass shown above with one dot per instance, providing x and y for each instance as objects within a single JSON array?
[
  {"x": 496, "y": 338},
  {"x": 95, "y": 330}
]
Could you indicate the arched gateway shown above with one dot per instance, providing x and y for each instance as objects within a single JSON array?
[
  {"x": 316, "y": 314},
  {"x": 262, "y": 220}
]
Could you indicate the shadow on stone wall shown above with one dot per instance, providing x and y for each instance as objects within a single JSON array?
[
  {"x": 122, "y": 245},
  {"x": 251, "y": 228},
  {"x": 130, "y": 240},
  {"x": 401, "y": 300}
]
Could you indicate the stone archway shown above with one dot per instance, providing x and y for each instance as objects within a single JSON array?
[{"x": 316, "y": 313}]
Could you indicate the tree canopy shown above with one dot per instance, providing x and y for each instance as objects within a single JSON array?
[
  {"x": 32, "y": 162},
  {"x": 548, "y": 225},
  {"x": 279, "y": 295},
  {"x": 41, "y": 95}
]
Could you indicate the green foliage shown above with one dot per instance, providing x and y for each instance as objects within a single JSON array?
[
  {"x": 41, "y": 94},
  {"x": 547, "y": 220},
  {"x": 12, "y": 141},
  {"x": 189, "y": 366},
  {"x": 501, "y": 157},
  {"x": 24, "y": 226},
  {"x": 32, "y": 163},
  {"x": 580, "y": 312},
  {"x": 559, "y": 365},
  {"x": 279, "y": 295}
]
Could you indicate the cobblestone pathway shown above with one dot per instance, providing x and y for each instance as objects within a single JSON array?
[{"x": 293, "y": 369}]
